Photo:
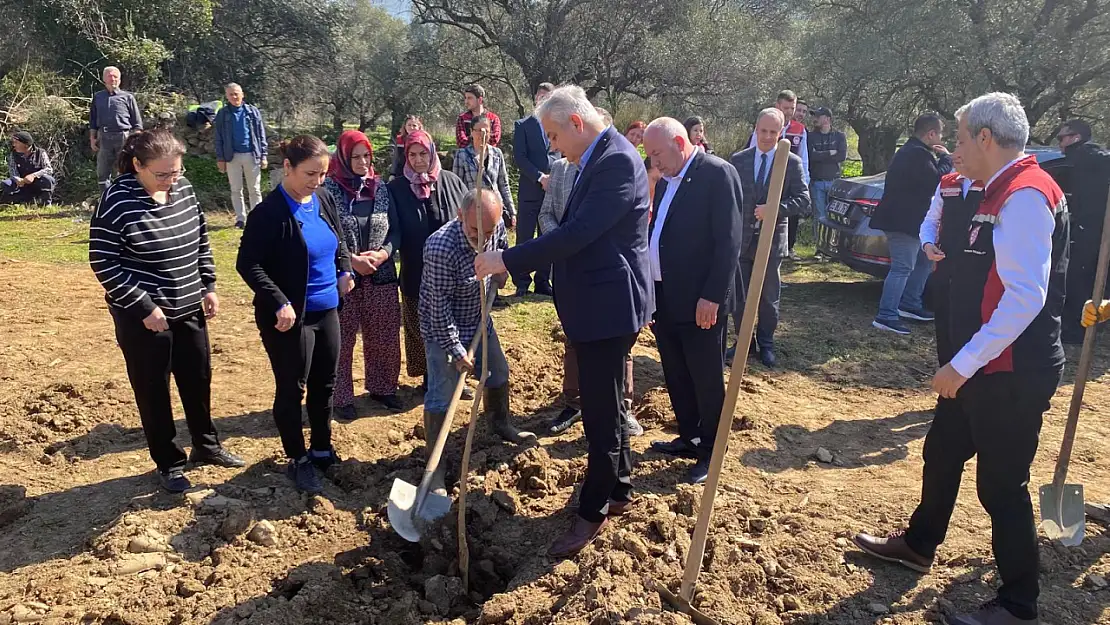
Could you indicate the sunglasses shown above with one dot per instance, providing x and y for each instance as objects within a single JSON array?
[{"x": 1062, "y": 136}]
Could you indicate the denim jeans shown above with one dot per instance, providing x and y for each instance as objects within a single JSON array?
[
  {"x": 909, "y": 271},
  {"x": 442, "y": 376},
  {"x": 819, "y": 191}
]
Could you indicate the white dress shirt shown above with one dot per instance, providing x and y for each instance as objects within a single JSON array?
[
  {"x": 803, "y": 150},
  {"x": 1023, "y": 259},
  {"x": 661, "y": 218}
]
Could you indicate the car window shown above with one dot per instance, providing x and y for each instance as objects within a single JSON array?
[{"x": 1060, "y": 170}]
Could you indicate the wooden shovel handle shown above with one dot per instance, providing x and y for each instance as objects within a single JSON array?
[
  {"x": 1085, "y": 358},
  {"x": 739, "y": 365}
]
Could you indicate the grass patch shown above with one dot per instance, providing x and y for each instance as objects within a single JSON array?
[{"x": 48, "y": 234}]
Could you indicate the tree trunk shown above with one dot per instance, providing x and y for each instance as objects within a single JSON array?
[
  {"x": 337, "y": 123},
  {"x": 876, "y": 145}
]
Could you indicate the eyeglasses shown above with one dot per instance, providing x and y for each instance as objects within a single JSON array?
[
  {"x": 1065, "y": 135},
  {"x": 169, "y": 175}
]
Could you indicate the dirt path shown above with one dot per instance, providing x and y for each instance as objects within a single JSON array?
[{"x": 79, "y": 506}]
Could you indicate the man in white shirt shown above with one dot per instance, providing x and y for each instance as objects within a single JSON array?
[
  {"x": 693, "y": 249},
  {"x": 1005, "y": 298}
]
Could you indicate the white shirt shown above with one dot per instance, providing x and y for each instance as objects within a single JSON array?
[
  {"x": 930, "y": 228},
  {"x": 1023, "y": 259},
  {"x": 661, "y": 218},
  {"x": 803, "y": 151}
]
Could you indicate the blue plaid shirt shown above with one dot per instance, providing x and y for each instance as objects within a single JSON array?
[{"x": 450, "y": 304}]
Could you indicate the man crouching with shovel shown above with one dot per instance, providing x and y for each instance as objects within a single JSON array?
[
  {"x": 450, "y": 311},
  {"x": 1005, "y": 296}
]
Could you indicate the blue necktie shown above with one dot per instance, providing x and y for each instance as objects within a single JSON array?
[{"x": 761, "y": 180}]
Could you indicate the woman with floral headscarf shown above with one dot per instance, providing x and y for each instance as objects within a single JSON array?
[
  {"x": 426, "y": 197},
  {"x": 370, "y": 231}
]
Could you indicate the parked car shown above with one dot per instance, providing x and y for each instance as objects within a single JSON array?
[{"x": 845, "y": 233}]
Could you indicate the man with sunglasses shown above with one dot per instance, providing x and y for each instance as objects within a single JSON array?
[{"x": 1090, "y": 179}]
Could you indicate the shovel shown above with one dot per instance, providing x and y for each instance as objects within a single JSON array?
[
  {"x": 411, "y": 508},
  {"x": 683, "y": 600},
  {"x": 1062, "y": 512}
]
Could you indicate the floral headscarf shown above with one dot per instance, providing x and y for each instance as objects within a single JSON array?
[{"x": 357, "y": 187}]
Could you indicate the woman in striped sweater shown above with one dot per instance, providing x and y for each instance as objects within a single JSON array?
[{"x": 148, "y": 246}]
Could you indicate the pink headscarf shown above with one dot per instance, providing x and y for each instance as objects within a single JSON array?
[{"x": 422, "y": 183}]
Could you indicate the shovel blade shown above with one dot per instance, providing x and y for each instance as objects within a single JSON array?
[
  {"x": 1063, "y": 518},
  {"x": 682, "y": 605},
  {"x": 408, "y": 516}
]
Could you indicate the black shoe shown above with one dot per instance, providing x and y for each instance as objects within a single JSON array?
[
  {"x": 239, "y": 224},
  {"x": 544, "y": 290},
  {"x": 678, "y": 448},
  {"x": 500, "y": 303},
  {"x": 563, "y": 422},
  {"x": 389, "y": 401},
  {"x": 345, "y": 414},
  {"x": 174, "y": 481},
  {"x": 698, "y": 473},
  {"x": 323, "y": 460},
  {"x": 521, "y": 291},
  {"x": 304, "y": 475},
  {"x": 730, "y": 354},
  {"x": 220, "y": 457},
  {"x": 767, "y": 357},
  {"x": 991, "y": 613},
  {"x": 467, "y": 394}
]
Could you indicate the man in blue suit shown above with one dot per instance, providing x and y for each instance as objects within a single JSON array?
[
  {"x": 603, "y": 288},
  {"x": 533, "y": 157}
]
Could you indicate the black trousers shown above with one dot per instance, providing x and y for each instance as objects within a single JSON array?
[
  {"x": 1080, "y": 285},
  {"x": 768, "y": 319},
  {"x": 303, "y": 357},
  {"x": 693, "y": 370},
  {"x": 609, "y": 462},
  {"x": 151, "y": 357},
  {"x": 527, "y": 228},
  {"x": 792, "y": 230},
  {"x": 997, "y": 417},
  {"x": 41, "y": 190}
]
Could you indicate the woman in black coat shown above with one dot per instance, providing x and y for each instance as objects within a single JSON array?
[
  {"x": 294, "y": 258},
  {"x": 426, "y": 197}
]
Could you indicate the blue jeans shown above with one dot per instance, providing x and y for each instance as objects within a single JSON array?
[
  {"x": 442, "y": 376},
  {"x": 909, "y": 271},
  {"x": 819, "y": 192}
]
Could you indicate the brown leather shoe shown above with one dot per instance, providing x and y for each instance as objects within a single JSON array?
[
  {"x": 893, "y": 548},
  {"x": 581, "y": 534},
  {"x": 619, "y": 508}
]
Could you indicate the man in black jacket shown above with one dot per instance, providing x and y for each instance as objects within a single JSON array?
[
  {"x": 827, "y": 150},
  {"x": 911, "y": 180},
  {"x": 1090, "y": 181},
  {"x": 693, "y": 248},
  {"x": 754, "y": 167}
]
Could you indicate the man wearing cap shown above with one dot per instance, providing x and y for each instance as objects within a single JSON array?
[
  {"x": 30, "y": 175},
  {"x": 827, "y": 150},
  {"x": 114, "y": 114},
  {"x": 1090, "y": 177}
]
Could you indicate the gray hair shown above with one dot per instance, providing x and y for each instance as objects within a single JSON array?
[
  {"x": 110, "y": 68},
  {"x": 669, "y": 125},
  {"x": 470, "y": 200},
  {"x": 1002, "y": 114},
  {"x": 232, "y": 85},
  {"x": 568, "y": 100},
  {"x": 771, "y": 112}
]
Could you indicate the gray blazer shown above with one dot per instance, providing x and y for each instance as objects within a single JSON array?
[
  {"x": 558, "y": 191},
  {"x": 795, "y": 201}
]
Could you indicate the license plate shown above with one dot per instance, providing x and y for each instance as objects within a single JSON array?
[{"x": 838, "y": 207}]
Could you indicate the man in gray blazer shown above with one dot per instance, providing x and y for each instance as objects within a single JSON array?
[{"x": 754, "y": 167}]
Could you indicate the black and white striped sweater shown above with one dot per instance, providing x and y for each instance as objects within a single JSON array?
[{"x": 149, "y": 255}]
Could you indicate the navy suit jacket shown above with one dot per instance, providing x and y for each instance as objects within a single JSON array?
[
  {"x": 532, "y": 157},
  {"x": 599, "y": 252}
]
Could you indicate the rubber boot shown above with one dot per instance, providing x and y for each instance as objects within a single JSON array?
[
  {"x": 433, "y": 421},
  {"x": 497, "y": 407}
]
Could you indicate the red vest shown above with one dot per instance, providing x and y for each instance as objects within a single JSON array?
[
  {"x": 795, "y": 132},
  {"x": 976, "y": 287}
]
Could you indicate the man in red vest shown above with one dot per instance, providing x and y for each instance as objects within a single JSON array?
[
  {"x": 1005, "y": 293},
  {"x": 795, "y": 131}
]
